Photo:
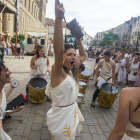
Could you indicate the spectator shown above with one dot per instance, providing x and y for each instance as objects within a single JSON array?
[
  {"x": 22, "y": 47},
  {"x": 39, "y": 40},
  {"x": 33, "y": 40},
  {"x": 2, "y": 47}
]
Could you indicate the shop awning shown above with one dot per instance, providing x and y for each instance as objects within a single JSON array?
[{"x": 9, "y": 7}]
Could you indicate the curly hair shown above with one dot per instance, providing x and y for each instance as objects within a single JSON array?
[
  {"x": 38, "y": 49},
  {"x": 73, "y": 72}
]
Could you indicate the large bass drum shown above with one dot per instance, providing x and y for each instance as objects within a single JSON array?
[
  {"x": 82, "y": 87},
  {"x": 85, "y": 75},
  {"x": 108, "y": 94},
  {"x": 80, "y": 98},
  {"x": 36, "y": 90}
]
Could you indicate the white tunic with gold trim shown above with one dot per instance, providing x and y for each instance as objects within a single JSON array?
[
  {"x": 3, "y": 135},
  {"x": 63, "y": 119}
]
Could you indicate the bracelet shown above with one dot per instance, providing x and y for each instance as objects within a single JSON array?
[
  {"x": 57, "y": 68},
  {"x": 59, "y": 62}
]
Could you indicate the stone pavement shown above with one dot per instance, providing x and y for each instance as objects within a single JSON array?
[{"x": 30, "y": 123}]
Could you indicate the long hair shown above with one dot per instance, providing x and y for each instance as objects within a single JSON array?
[
  {"x": 73, "y": 72},
  {"x": 37, "y": 51},
  {"x": 1, "y": 66}
]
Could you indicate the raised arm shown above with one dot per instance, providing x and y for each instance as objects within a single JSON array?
[
  {"x": 58, "y": 42},
  {"x": 82, "y": 53}
]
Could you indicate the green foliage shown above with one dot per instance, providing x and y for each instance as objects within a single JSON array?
[
  {"x": 118, "y": 48},
  {"x": 19, "y": 37},
  {"x": 109, "y": 38},
  {"x": 102, "y": 43}
]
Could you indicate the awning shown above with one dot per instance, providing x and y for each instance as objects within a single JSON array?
[
  {"x": 9, "y": 7},
  {"x": 36, "y": 34}
]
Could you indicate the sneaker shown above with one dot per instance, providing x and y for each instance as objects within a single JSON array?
[
  {"x": 22, "y": 57},
  {"x": 93, "y": 105},
  {"x": 19, "y": 58}
]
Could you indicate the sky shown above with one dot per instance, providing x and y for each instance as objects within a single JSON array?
[{"x": 97, "y": 15}]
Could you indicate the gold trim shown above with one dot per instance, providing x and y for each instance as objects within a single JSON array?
[{"x": 132, "y": 134}]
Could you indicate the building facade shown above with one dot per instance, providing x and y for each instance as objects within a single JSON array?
[{"x": 30, "y": 10}]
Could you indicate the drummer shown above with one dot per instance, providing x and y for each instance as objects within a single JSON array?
[
  {"x": 107, "y": 70},
  {"x": 81, "y": 68},
  {"x": 39, "y": 64}
]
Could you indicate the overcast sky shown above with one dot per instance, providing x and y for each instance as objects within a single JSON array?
[{"x": 97, "y": 15}]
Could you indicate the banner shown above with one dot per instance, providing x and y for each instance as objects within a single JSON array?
[{"x": 18, "y": 14}]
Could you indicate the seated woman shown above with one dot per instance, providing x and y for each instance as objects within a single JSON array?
[
  {"x": 5, "y": 77},
  {"x": 127, "y": 125},
  {"x": 39, "y": 64},
  {"x": 35, "y": 47}
]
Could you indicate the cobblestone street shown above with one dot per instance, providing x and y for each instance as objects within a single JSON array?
[{"x": 30, "y": 123}]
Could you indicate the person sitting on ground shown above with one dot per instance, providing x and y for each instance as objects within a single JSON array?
[
  {"x": 5, "y": 77},
  {"x": 35, "y": 47},
  {"x": 127, "y": 126},
  {"x": 39, "y": 64}
]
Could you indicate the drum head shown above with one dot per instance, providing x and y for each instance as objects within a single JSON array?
[
  {"x": 38, "y": 83},
  {"x": 81, "y": 83},
  {"x": 86, "y": 72},
  {"x": 107, "y": 88}
]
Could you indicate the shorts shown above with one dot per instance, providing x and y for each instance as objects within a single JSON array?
[
  {"x": 21, "y": 49},
  {"x": 95, "y": 66}
]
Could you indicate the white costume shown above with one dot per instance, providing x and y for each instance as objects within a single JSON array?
[
  {"x": 3, "y": 135},
  {"x": 64, "y": 118},
  {"x": 116, "y": 68},
  {"x": 41, "y": 69},
  {"x": 133, "y": 69},
  {"x": 106, "y": 72},
  {"x": 128, "y": 55},
  {"x": 129, "y": 135},
  {"x": 122, "y": 71}
]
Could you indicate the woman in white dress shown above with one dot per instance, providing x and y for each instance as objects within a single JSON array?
[
  {"x": 64, "y": 118},
  {"x": 39, "y": 64},
  {"x": 127, "y": 126},
  {"x": 5, "y": 77},
  {"x": 132, "y": 76}
]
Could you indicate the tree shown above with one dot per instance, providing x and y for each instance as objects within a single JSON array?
[
  {"x": 19, "y": 37},
  {"x": 109, "y": 38},
  {"x": 102, "y": 43}
]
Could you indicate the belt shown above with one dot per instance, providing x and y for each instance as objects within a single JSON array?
[
  {"x": 132, "y": 134},
  {"x": 64, "y": 106}
]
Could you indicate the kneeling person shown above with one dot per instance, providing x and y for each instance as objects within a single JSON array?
[{"x": 107, "y": 70}]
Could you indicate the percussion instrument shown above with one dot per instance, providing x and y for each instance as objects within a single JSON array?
[
  {"x": 85, "y": 75},
  {"x": 82, "y": 87},
  {"x": 108, "y": 94},
  {"x": 80, "y": 98},
  {"x": 18, "y": 101},
  {"x": 36, "y": 90},
  {"x": 14, "y": 83}
]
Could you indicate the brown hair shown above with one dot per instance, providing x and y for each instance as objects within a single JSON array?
[
  {"x": 38, "y": 49},
  {"x": 73, "y": 73},
  {"x": 2, "y": 37}
]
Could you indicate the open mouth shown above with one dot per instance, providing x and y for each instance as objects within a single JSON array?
[{"x": 72, "y": 63}]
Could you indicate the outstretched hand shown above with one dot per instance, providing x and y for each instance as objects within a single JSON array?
[{"x": 59, "y": 10}]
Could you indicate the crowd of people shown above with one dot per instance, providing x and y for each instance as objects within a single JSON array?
[{"x": 64, "y": 118}]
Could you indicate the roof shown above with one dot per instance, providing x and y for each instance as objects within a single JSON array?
[
  {"x": 51, "y": 22},
  {"x": 7, "y": 9},
  {"x": 37, "y": 27}
]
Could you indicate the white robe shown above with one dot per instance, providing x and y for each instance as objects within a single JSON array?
[
  {"x": 41, "y": 69},
  {"x": 133, "y": 69},
  {"x": 3, "y": 135},
  {"x": 64, "y": 118},
  {"x": 122, "y": 71}
]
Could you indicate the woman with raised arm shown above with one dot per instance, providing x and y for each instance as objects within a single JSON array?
[
  {"x": 64, "y": 118},
  {"x": 127, "y": 126}
]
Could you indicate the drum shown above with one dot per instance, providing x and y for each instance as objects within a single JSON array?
[
  {"x": 36, "y": 90},
  {"x": 80, "y": 98},
  {"x": 108, "y": 94},
  {"x": 85, "y": 75},
  {"x": 82, "y": 87}
]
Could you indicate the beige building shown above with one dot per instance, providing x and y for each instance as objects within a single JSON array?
[
  {"x": 50, "y": 26},
  {"x": 30, "y": 10}
]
